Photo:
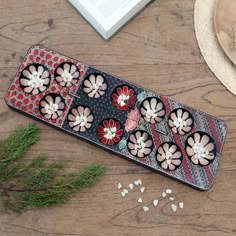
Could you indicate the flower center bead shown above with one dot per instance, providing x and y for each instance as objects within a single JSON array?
[
  {"x": 140, "y": 145},
  {"x": 200, "y": 151},
  {"x": 179, "y": 123},
  {"x": 151, "y": 113},
  {"x": 96, "y": 87},
  {"x": 51, "y": 108},
  {"x": 110, "y": 133},
  {"x": 122, "y": 99},
  {"x": 67, "y": 77},
  {"x": 168, "y": 156},
  {"x": 35, "y": 80},
  {"x": 82, "y": 120}
]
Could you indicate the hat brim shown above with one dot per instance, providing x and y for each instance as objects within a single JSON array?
[{"x": 210, "y": 48}]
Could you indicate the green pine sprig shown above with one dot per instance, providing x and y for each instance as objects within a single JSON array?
[{"x": 39, "y": 183}]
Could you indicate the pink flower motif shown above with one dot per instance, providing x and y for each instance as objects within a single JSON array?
[{"x": 132, "y": 120}]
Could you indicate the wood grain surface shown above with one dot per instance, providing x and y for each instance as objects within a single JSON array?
[{"x": 157, "y": 50}]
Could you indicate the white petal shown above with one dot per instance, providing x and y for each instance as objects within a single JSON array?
[{"x": 146, "y": 104}]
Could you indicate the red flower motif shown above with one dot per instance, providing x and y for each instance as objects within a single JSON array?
[
  {"x": 109, "y": 131},
  {"x": 124, "y": 97}
]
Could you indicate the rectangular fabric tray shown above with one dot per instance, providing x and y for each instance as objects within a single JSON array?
[{"x": 126, "y": 119}]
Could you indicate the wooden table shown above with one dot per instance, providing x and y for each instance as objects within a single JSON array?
[{"x": 159, "y": 51}]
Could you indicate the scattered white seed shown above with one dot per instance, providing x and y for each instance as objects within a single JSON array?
[
  {"x": 142, "y": 189},
  {"x": 123, "y": 194},
  {"x": 155, "y": 203},
  {"x": 131, "y": 186},
  {"x": 119, "y": 186},
  {"x": 140, "y": 200},
  {"x": 145, "y": 208},
  {"x": 171, "y": 198},
  {"x": 169, "y": 191},
  {"x": 136, "y": 182},
  {"x": 181, "y": 205},
  {"x": 174, "y": 207},
  {"x": 140, "y": 181},
  {"x": 163, "y": 194},
  {"x": 126, "y": 191}
]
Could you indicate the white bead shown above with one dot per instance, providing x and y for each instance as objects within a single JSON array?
[
  {"x": 139, "y": 181},
  {"x": 140, "y": 200},
  {"x": 145, "y": 208},
  {"x": 142, "y": 189},
  {"x": 119, "y": 186},
  {"x": 174, "y": 207},
  {"x": 181, "y": 205},
  {"x": 169, "y": 191},
  {"x": 155, "y": 203},
  {"x": 123, "y": 194},
  {"x": 125, "y": 191},
  {"x": 164, "y": 194},
  {"x": 131, "y": 186}
]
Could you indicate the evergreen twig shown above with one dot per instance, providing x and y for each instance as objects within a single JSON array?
[{"x": 39, "y": 183}]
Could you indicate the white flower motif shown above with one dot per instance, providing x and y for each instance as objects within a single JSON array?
[
  {"x": 140, "y": 144},
  {"x": 67, "y": 74},
  {"x": 52, "y": 106},
  {"x": 200, "y": 148},
  {"x": 180, "y": 121},
  {"x": 95, "y": 86},
  {"x": 80, "y": 118},
  {"x": 34, "y": 79},
  {"x": 152, "y": 110},
  {"x": 169, "y": 156}
]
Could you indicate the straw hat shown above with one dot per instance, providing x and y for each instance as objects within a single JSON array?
[{"x": 211, "y": 50}]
